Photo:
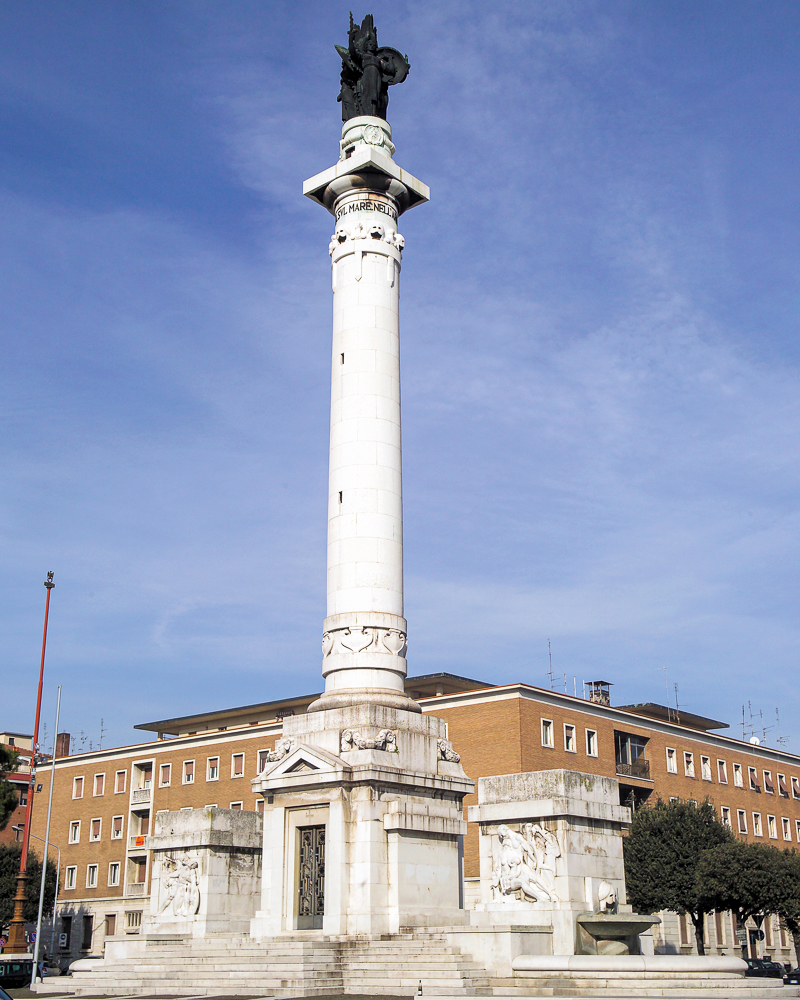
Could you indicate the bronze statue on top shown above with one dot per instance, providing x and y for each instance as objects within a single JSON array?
[{"x": 368, "y": 72}]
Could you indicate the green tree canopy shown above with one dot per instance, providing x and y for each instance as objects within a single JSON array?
[
  {"x": 745, "y": 878},
  {"x": 9, "y": 870},
  {"x": 8, "y": 792},
  {"x": 788, "y": 908},
  {"x": 662, "y": 851}
]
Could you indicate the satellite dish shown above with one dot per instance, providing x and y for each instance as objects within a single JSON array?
[{"x": 755, "y": 741}]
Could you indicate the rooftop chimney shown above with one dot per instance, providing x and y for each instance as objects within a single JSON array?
[
  {"x": 599, "y": 693},
  {"x": 62, "y": 745}
]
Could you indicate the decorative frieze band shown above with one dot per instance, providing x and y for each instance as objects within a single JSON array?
[
  {"x": 372, "y": 231},
  {"x": 446, "y": 752},
  {"x": 353, "y": 740},
  {"x": 357, "y": 640}
]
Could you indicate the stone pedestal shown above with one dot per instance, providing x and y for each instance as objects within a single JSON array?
[
  {"x": 550, "y": 849},
  {"x": 206, "y": 872},
  {"x": 385, "y": 788}
]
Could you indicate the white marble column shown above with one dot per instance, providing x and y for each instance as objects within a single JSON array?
[{"x": 364, "y": 634}]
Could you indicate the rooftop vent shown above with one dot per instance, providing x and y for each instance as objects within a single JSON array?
[{"x": 599, "y": 693}]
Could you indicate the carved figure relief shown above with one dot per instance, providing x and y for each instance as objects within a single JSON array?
[
  {"x": 526, "y": 864},
  {"x": 181, "y": 888},
  {"x": 282, "y": 748},
  {"x": 446, "y": 752},
  {"x": 375, "y": 232},
  {"x": 356, "y": 640},
  {"x": 607, "y": 898},
  {"x": 353, "y": 740}
]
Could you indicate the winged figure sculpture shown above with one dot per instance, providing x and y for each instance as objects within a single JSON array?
[{"x": 368, "y": 71}]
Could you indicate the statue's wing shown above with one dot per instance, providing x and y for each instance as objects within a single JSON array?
[
  {"x": 347, "y": 61},
  {"x": 394, "y": 65}
]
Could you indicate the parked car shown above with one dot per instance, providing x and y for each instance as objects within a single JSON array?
[
  {"x": 15, "y": 973},
  {"x": 764, "y": 968},
  {"x": 792, "y": 977},
  {"x": 4, "y": 995}
]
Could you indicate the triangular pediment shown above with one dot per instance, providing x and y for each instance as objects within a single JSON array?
[{"x": 305, "y": 759}]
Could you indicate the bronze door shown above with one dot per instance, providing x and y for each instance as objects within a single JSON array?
[{"x": 311, "y": 877}]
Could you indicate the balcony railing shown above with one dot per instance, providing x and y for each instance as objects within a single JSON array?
[
  {"x": 136, "y": 889},
  {"x": 636, "y": 769},
  {"x": 137, "y": 842},
  {"x": 140, "y": 795}
]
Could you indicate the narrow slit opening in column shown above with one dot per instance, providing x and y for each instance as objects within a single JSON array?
[
  {"x": 342, "y": 357},
  {"x": 340, "y": 496}
]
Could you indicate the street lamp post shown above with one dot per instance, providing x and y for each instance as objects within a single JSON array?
[
  {"x": 17, "y": 829},
  {"x": 46, "y": 845},
  {"x": 16, "y": 936}
]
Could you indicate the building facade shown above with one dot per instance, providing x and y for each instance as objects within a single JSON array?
[{"x": 104, "y": 802}]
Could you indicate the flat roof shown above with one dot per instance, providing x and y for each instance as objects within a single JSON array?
[
  {"x": 423, "y": 686},
  {"x": 676, "y": 715}
]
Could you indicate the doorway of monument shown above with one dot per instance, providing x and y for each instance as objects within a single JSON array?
[{"x": 311, "y": 877}]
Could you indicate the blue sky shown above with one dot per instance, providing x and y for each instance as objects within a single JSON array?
[{"x": 600, "y": 310}]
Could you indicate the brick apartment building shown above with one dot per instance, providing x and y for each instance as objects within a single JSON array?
[
  {"x": 104, "y": 801},
  {"x": 21, "y": 779}
]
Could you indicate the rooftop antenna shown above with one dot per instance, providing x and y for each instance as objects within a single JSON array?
[
  {"x": 83, "y": 739},
  {"x": 677, "y": 707},
  {"x": 102, "y": 732},
  {"x": 781, "y": 739},
  {"x": 550, "y": 657},
  {"x": 565, "y": 683},
  {"x": 666, "y": 688},
  {"x": 743, "y": 733},
  {"x": 575, "y": 685}
]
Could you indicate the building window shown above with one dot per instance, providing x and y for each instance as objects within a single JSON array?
[
  {"x": 144, "y": 776},
  {"x": 782, "y": 934},
  {"x": 75, "y": 831},
  {"x": 768, "y": 786},
  {"x": 66, "y": 930},
  {"x": 796, "y": 787},
  {"x": 259, "y": 805},
  {"x": 719, "y": 928},
  {"x": 674, "y": 798},
  {"x": 71, "y": 877},
  {"x": 91, "y": 876},
  {"x": 99, "y": 784},
  {"x": 188, "y": 772},
  {"x": 591, "y": 742},
  {"x": 787, "y": 828},
  {"x": 133, "y": 921},
  {"x": 569, "y": 739},
  {"x": 77, "y": 788},
  {"x": 116, "y": 828},
  {"x": 722, "y": 772},
  {"x": 23, "y": 796},
  {"x": 210, "y": 805},
  {"x": 237, "y": 806},
  {"x": 742, "y": 815},
  {"x": 111, "y": 924},
  {"x": 213, "y": 769},
  {"x": 164, "y": 775},
  {"x": 630, "y": 755},
  {"x": 757, "y": 831},
  {"x": 119, "y": 782},
  {"x": 772, "y": 828},
  {"x": 237, "y": 765},
  {"x": 726, "y": 816},
  {"x": 797, "y": 830},
  {"x": 94, "y": 829},
  {"x": 672, "y": 761},
  {"x": 113, "y": 873},
  {"x": 753, "y": 774},
  {"x": 737, "y": 776},
  {"x": 683, "y": 930},
  {"x": 688, "y": 764},
  {"x": 768, "y": 940},
  {"x": 705, "y": 768},
  {"x": 86, "y": 943},
  {"x": 783, "y": 788},
  {"x": 547, "y": 733},
  {"x": 262, "y": 760}
]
